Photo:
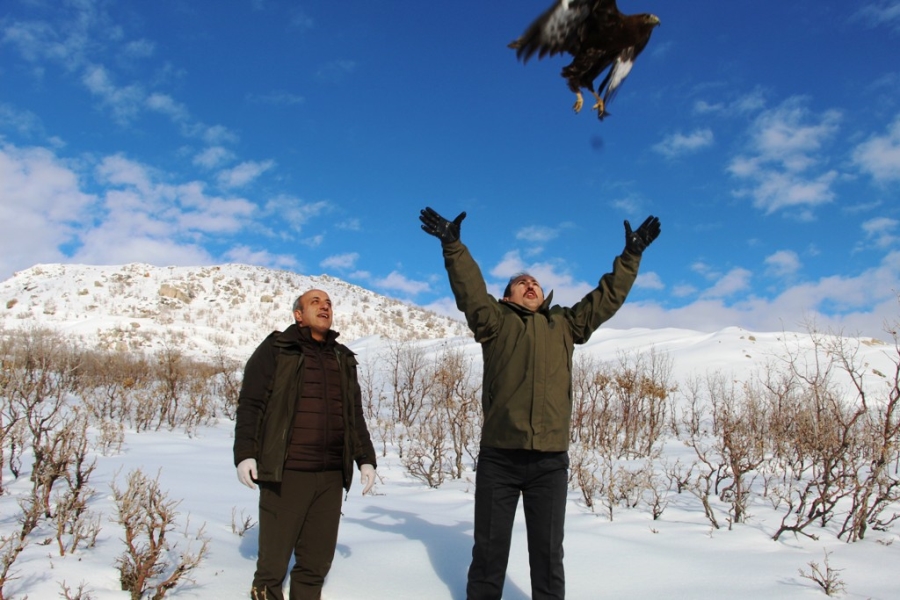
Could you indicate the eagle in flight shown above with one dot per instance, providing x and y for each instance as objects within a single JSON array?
[{"x": 597, "y": 36}]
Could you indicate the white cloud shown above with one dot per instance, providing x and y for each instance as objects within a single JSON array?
[
  {"x": 243, "y": 173},
  {"x": 783, "y": 263},
  {"x": 880, "y": 231},
  {"x": 881, "y": 12},
  {"x": 165, "y": 104},
  {"x": 679, "y": 144},
  {"x": 340, "y": 261},
  {"x": 125, "y": 102},
  {"x": 747, "y": 103},
  {"x": 296, "y": 212},
  {"x": 248, "y": 256},
  {"x": 784, "y": 168},
  {"x": 537, "y": 233},
  {"x": 649, "y": 281},
  {"x": 880, "y": 155},
  {"x": 734, "y": 281},
  {"x": 276, "y": 98},
  {"x": 41, "y": 207},
  {"x": 398, "y": 282},
  {"x": 213, "y": 157},
  {"x": 863, "y": 303}
]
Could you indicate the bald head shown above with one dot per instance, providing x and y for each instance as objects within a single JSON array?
[{"x": 313, "y": 309}]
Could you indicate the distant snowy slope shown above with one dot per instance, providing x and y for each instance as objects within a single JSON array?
[{"x": 231, "y": 307}]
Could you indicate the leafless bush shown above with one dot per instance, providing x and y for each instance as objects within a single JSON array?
[
  {"x": 410, "y": 378},
  {"x": 456, "y": 399},
  {"x": 228, "y": 379},
  {"x": 427, "y": 457},
  {"x": 583, "y": 469},
  {"x": 10, "y": 548},
  {"x": 150, "y": 561},
  {"x": 621, "y": 407},
  {"x": 240, "y": 526},
  {"x": 80, "y": 593},
  {"x": 828, "y": 578}
]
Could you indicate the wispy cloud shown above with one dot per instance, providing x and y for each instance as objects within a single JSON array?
[
  {"x": 538, "y": 234},
  {"x": 679, "y": 144},
  {"x": 276, "y": 98},
  {"x": 213, "y": 157},
  {"x": 783, "y": 263},
  {"x": 881, "y": 232},
  {"x": 879, "y": 156},
  {"x": 296, "y": 212},
  {"x": 398, "y": 282},
  {"x": 341, "y": 262},
  {"x": 785, "y": 166},
  {"x": 243, "y": 173},
  {"x": 882, "y": 12},
  {"x": 750, "y": 102},
  {"x": 336, "y": 71}
]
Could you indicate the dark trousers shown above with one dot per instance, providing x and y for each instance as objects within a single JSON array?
[
  {"x": 542, "y": 480},
  {"x": 300, "y": 515}
]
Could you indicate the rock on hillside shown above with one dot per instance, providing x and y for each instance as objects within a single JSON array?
[{"x": 205, "y": 310}]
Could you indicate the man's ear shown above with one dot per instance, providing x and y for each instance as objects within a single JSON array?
[{"x": 298, "y": 316}]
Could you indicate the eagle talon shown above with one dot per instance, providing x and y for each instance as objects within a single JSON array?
[{"x": 579, "y": 102}]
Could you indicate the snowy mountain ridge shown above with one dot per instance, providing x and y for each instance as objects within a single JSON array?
[{"x": 228, "y": 308}]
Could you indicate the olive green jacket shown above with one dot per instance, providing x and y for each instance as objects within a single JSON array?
[
  {"x": 267, "y": 402},
  {"x": 527, "y": 380}
]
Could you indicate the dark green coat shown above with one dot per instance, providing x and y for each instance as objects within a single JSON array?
[
  {"x": 266, "y": 405},
  {"x": 527, "y": 385}
]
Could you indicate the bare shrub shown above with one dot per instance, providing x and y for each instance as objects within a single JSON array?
[
  {"x": 228, "y": 379},
  {"x": 827, "y": 578},
  {"x": 410, "y": 378},
  {"x": 456, "y": 399},
  {"x": 240, "y": 526},
  {"x": 621, "y": 407},
  {"x": 427, "y": 457},
  {"x": 150, "y": 561},
  {"x": 10, "y": 548},
  {"x": 79, "y": 593}
]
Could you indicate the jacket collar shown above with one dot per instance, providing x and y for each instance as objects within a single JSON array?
[{"x": 296, "y": 335}]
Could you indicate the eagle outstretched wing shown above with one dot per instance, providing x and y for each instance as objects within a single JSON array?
[{"x": 597, "y": 36}]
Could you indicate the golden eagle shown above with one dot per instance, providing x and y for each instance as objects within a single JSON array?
[{"x": 597, "y": 35}]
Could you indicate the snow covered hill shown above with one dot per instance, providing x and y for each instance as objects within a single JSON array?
[{"x": 229, "y": 307}]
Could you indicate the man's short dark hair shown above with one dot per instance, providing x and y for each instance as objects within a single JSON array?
[
  {"x": 508, "y": 290},
  {"x": 298, "y": 305}
]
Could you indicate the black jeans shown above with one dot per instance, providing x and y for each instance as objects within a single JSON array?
[
  {"x": 542, "y": 480},
  {"x": 300, "y": 515}
]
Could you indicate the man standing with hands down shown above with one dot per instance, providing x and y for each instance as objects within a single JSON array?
[
  {"x": 527, "y": 347},
  {"x": 299, "y": 428}
]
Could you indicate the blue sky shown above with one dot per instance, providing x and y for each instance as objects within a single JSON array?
[{"x": 307, "y": 136}]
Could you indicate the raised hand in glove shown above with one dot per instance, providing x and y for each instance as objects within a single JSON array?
[
  {"x": 637, "y": 241},
  {"x": 436, "y": 225}
]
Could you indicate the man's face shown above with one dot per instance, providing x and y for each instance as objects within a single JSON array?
[
  {"x": 315, "y": 313},
  {"x": 526, "y": 291}
]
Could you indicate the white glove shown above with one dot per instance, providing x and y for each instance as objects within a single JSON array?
[
  {"x": 246, "y": 472},
  {"x": 367, "y": 477}
]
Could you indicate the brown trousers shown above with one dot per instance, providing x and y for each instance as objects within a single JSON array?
[{"x": 300, "y": 515}]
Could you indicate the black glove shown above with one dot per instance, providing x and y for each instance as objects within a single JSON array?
[
  {"x": 637, "y": 241},
  {"x": 439, "y": 227}
]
